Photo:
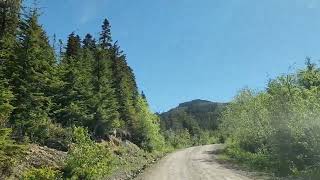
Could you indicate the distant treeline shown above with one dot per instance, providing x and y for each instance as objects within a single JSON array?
[{"x": 192, "y": 123}]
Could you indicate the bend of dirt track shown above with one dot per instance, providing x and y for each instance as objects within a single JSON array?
[{"x": 195, "y": 163}]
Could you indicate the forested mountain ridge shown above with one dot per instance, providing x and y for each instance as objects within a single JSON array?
[
  {"x": 204, "y": 113},
  {"x": 195, "y": 121}
]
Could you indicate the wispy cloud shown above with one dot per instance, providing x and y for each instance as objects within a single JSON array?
[
  {"x": 311, "y": 4},
  {"x": 89, "y": 9}
]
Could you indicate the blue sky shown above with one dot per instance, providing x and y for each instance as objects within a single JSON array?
[{"x": 209, "y": 49}]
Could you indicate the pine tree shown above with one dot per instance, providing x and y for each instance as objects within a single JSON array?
[
  {"x": 89, "y": 42},
  {"x": 125, "y": 86},
  {"x": 9, "y": 20},
  {"x": 106, "y": 116},
  {"x": 73, "y": 46},
  {"x": 9, "y": 16},
  {"x": 143, "y": 96},
  {"x": 105, "y": 35},
  {"x": 72, "y": 96},
  {"x": 31, "y": 80}
]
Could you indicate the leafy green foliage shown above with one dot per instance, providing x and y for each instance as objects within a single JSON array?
[
  {"x": 147, "y": 132},
  {"x": 87, "y": 159},
  {"x": 44, "y": 173},
  {"x": 277, "y": 129},
  {"x": 178, "y": 139}
]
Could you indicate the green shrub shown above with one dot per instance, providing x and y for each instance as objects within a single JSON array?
[
  {"x": 277, "y": 129},
  {"x": 43, "y": 173},
  {"x": 59, "y": 137},
  {"x": 179, "y": 138},
  {"x": 87, "y": 159}
]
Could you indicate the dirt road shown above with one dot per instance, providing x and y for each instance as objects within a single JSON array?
[{"x": 196, "y": 163}]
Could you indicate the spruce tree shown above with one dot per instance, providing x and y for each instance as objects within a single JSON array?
[
  {"x": 125, "y": 87},
  {"x": 31, "y": 80},
  {"x": 143, "y": 95},
  {"x": 89, "y": 42},
  {"x": 106, "y": 117},
  {"x": 104, "y": 104},
  {"x": 75, "y": 74},
  {"x": 105, "y": 35},
  {"x": 73, "y": 46},
  {"x": 9, "y": 20},
  {"x": 9, "y": 16}
]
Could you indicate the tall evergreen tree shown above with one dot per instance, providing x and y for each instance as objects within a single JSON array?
[
  {"x": 32, "y": 79},
  {"x": 75, "y": 74},
  {"x": 73, "y": 46},
  {"x": 106, "y": 117},
  {"x": 143, "y": 96},
  {"x": 104, "y": 104},
  {"x": 105, "y": 35},
  {"x": 9, "y": 20},
  {"x": 9, "y": 16},
  {"x": 89, "y": 42},
  {"x": 125, "y": 87}
]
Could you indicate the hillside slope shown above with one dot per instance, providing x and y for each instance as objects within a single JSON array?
[
  {"x": 192, "y": 123},
  {"x": 193, "y": 114}
]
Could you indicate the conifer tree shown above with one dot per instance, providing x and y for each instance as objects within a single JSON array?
[
  {"x": 104, "y": 104},
  {"x": 75, "y": 75},
  {"x": 5, "y": 104},
  {"x": 73, "y": 46},
  {"x": 9, "y": 20},
  {"x": 89, "y": 42},
  {"x": 125, "y": 87},
  {"x": 31, "y": 79},
  {"x": 106, "y": 117},
  {"x": 9, "y": 16},
  {"x": 105, "y": 35}
]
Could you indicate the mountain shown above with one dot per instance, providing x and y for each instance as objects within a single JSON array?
[{"x": 193, "y": 115}]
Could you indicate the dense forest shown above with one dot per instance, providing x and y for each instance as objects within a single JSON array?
[
  {"x": 277, "y": 130},
  {"x": 192, "y": 123},
  {"x": 67, "y": 97}
]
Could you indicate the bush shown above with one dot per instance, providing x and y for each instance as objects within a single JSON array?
[
  {"x": 179, "y": 138},
  {"x": 59, "y": 137},
  {"x": 44, "y": 173},
  {"x": 147, "y": 128},
  {"x": 278, "y": 128},
  {"x": 87, "y": 159}
]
